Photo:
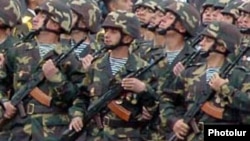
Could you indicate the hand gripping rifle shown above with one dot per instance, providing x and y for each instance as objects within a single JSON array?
[
  {"x": 31, "y": 87},
  {"x": 103, "y": 101},
  {"x": 203, "y": 101}
]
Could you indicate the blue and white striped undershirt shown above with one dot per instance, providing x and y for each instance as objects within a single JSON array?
[
  {"x": 171, "y": 55},
  {"x": 210, "y": 72},
  {"x": 79, "y": 49},
  {"x": 45, "y": 48},
  {"x": 116, "y": 64}
]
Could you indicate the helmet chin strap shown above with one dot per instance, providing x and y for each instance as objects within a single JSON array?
[
  {"x": 120, "y": 43},
  {"x": 205, "y": 54},
  {"x": 162, "y": 31},
  {"x": 44, "y": 27},
  {"x": 76, "y": 27}
]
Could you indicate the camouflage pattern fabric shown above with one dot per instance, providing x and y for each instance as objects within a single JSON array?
[
  {"x": 91, "y": 14},
  {"x": 58, "y": 12},
  {"x": 10, "y": 13},
  {"x": 42, "y": 122},
  {"x": 101, "y": 79}
]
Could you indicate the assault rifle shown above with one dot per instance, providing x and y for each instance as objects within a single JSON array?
[
  {"x": 31, "y": 88},
  {"x": 103, "y": 101},
  {"x": 203, "y": 101}
]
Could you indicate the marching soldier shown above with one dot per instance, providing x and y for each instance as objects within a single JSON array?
[
  {"x": 121, "y": 28},
  {"x": 10, "y": 16},
  {"x": 45, "y": 113},
  {"x": 84, "y": 27},
  {"x": 177, "y": 28},
  {"x": 26, "y": 22},
  {"x": 219, "y": 41}
]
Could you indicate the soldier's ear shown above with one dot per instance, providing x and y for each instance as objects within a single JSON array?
[
  {"x": 127, "y": 39},
  {"x": 180, "y": 27}
]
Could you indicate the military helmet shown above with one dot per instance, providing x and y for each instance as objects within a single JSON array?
[
  {"x": 245, "y": 7},
  {"x": 221, "y": 3},
  {"x": 232, "y": 8},
  {"x": 224, "y": 33},
  {"x": 127, "y": 22},
  {"x": 187, "y": 14},
  {"x": 58, "y": 12},
  {"x": 208, "y": 3},
  {"x": 161, "y": 4},
  {"x": 152, "y": 4},
  {"x": 10, "y": 12},
  {"x": 90, "y": 13}
]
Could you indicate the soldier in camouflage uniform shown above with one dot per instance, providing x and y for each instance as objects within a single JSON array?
[
  {"x": 219, "y": 40},
  {"x": 46, "y": 118},
  {"x": 231, "y": 12},
  {"x": 176, "y": 28},
  {"x": 121, "y": 28},
  {"x": 244, "y": 27},
  {"x": 112, "y": 5},
  {"x": 218, "y": 6},
  {"x": 85, "y": 26},
  {"x": 27, "y": 16},
  {"x": 10, "y": 14}
]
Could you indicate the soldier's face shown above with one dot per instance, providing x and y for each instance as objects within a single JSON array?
[
  {"x": 112, "y": 36},
  {"x": 38, "y": 20},
  {"x": 144, "y": 14},
  {"x": 124, "y": 5},
  {"x": 207, "y": 15},
  {"x": 217, "y": 16},
  {"x": 206, "y": 43},
  {"x": 227, "y": 18},
  {"x": 167, "y": 20},
  {"x": 155, "y": 20},
  {"x": 246, "y": 20}
]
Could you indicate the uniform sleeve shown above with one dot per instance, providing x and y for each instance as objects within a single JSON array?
[{"x": 171, "y": 101}]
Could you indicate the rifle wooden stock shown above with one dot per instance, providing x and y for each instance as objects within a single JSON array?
[
  {"x": 41, "y": 97},
  {"x": 212, "y": 110},
  {"x": 120, "y": 111}
]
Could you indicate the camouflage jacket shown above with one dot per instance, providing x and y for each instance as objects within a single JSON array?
[
  {"x": 193, "y": 85},
  {"x": 24, "y": 60},
  {"x": 93, "y": 47},
  {"x": 100, "y": 80},
  {"x": 4, "y": 48}
]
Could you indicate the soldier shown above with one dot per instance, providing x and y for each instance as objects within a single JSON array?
[
  {"x": 177, "y": 29},
  {"x": 112, "y": 5},
  {"x": 10, "y": 16},
  {"x": 27, "y": 16},
  {"x": 244, "y": 27},
  {"x": 46, "y": 105},
  {"x": 219, "y": 41},
  {"x": 85, "y": 26},
  {"x": 121, "y": 28},
  {"x": 218, "y": 6},
  {"x": 231, "y": 12}
]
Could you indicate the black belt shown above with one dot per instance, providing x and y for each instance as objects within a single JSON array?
[
  {"x": 32, "y": 108},
  {"x": 119, "y": 123}
]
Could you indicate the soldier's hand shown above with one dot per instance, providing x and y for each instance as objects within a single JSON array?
[
  {"x": 178, "y": 68},
  {"x": 133, "y": 84},
  {"x": 10, "y": 110},
  {"x": 216, "y": 82},
  {"x": 87, "y": 61},
  {"x": 145, "y": 114},
  {"x": 76, "y": 124},
  {"x": 2, "y": 59},
  {"x": 180, "y": 129},
  {"x": 49, "y": 69}
]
